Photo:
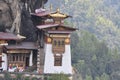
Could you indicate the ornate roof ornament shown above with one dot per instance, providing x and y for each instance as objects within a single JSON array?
[
  {"x": 20, "y": 36},
  {"x": 57, "y": 14}
]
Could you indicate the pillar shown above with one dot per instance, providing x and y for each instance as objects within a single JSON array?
[
  {"x": 4, "y": 64},
  {"x": 31, "y": 59}
]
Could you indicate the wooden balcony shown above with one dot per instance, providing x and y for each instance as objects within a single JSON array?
[{"x": 58, "y": 49}]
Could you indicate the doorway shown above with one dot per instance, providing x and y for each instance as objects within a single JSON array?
[{"x": 27, "y": 62}]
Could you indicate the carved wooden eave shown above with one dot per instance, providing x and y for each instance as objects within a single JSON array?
[
  {"x": 57, "y": 16},
  {"x": 48, "y": 14},
  {"x": 42, "y": 14},
  {"x": 18, "y": 51},
  {"x": 56, "y": 28},
  {"x": 8, "y": 36},
  {"x": 23, "y": 46}
]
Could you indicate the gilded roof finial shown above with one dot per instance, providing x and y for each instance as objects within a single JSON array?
[
  {"x": 51, "y": 7},
  {"x": 57, "y": 14},
  {"x": 58, "y": 10}
]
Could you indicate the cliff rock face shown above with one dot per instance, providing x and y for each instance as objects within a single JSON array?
[
  {"x": 15, "y": 16},
  {"x": 5, "y": 17}
]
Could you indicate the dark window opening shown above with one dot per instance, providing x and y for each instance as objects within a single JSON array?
[
  {"x": 27, "y": 62},
  {"x": 58, "y": 60},
  {"x": 59, "y": 43},
  {"x": 63, "y": 43},
  {"x": 55, "y": 43},
  {"x": 13, "y": 58},
  {"x": 11, "y": 42}
]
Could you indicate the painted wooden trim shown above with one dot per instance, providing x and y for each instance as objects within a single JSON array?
[{"x": 18, "y": 51}]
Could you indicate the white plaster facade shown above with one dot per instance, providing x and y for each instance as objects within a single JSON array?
[
  {"x": 4, "y": 64},
  {"x": 49, "y": 67},
  {"x": 31, "y": 59}
]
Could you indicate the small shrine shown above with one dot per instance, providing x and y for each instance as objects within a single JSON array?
[
  {"x": 15, "y": 54},
  {"x": 21, "y": 56},
  {"x": 54, "y": 42},
  {"x": 5, "y": 38}
]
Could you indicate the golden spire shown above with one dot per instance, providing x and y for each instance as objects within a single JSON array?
[
  {"x": 58, "y": 14},
  {"x": 51, "y": 7},
  {"x": 58, "y": 10}
]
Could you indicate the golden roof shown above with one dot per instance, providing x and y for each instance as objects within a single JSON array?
[{"x": 57, "y": 14}]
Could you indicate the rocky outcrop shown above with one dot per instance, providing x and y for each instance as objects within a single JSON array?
[
  {"x": 15, "y": 16},
  {"x": 5, "y": 16}
]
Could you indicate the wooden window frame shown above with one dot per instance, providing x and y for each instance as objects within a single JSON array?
[
  {"x": 58, "y": 45},
  {"x": 57, "y": 60},
  {"x": 19, "y": 58}
]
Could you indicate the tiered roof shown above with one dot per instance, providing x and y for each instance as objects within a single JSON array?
[
  {"x": 8, "y": 36},
  {"x": 23, "y": 45},
  {"x": 57, "y": 18},
  {"x": 56, "y": 28}
]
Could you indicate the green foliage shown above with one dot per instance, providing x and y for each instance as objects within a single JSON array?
[
  {"x": 97, "y": 78},
  {"x": 7, "y": 76},
  {"x": 100, "y": 17},
  {"x": 18, "y": 76},
  {"x": 90, "y": 56},
  {"x": 88, "y": 77},
  {"x": 96, "y": 44},
  {"x": 34, "y": 78},
  {"x": 58, "y": 77},
  {"x": 27, "y": 78},
  {"x": 104, "y": 76}
]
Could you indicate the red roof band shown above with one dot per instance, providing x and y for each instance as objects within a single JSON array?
[
  {"x": 8, "y": 36},
  {"x": 23, "y": 45}
]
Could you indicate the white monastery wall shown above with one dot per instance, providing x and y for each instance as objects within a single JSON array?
[
  {"x": 49, "y": 67},
  {"x": 4, "y": 64}
]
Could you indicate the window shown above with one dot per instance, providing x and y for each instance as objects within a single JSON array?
[
  {"x": 58, "y": 60},
  {"x": 55, "y": 43},
  {"x": 58, "y": 42},
  {"x": 13, "y": 58},
  {"x": 63, "y": 43},
  {"x": 18, "y": 58},
  {"x": 58, "y": 45}
]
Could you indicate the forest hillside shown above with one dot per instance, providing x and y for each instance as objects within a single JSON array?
[
  {"x": 96, "y": 45},
  {"x": 99, "y": 17}
]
